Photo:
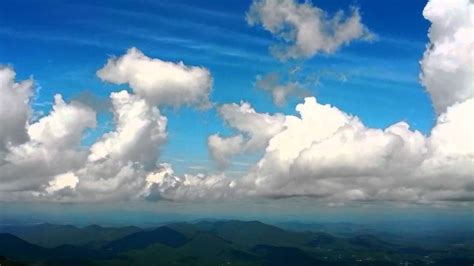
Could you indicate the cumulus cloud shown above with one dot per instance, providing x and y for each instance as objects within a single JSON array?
[
  {"x": 52, "y": 148},
  {"x": 326, "y": 153},
  {"x": 255, "y": 131},
  {"x": 118, "y": 162},
  {"x": 159, "y": 82},
  {"x": 14, "y": 108},
  {"x": 447, "y": 65},
  {"x": 279, "y": 92},
  {"x": 306, "y": 29},
  {"x": 140, "y": 130}
]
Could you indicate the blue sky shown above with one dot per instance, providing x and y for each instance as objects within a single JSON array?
[{"x": 63, "y": 43}]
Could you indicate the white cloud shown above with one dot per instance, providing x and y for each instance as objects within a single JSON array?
[
  {"x": 317, "y": 122},
  {"x": 119, "y": 162},
  {"x": 159, "y": 175},
  {"x": 448, "y": 63},
  {"x": 110, "y": 180},
  {"x": 305, "y": 29},
  {"x": 164, "y": 184},
  {"x": 453, "y": 134},
  {"x": 258, "y": 127},
  {"x": 255, "y": 131},
  {"x": 159, "y": 82},
  {"x": 451, "y": 147},
  {"x": 222, "y": 149},
  {"x": 53, "y": 147},
  {"x": 140, "y": 131},
  {"x": 331, "y": 155},
  {"x": 14, "y": 108},
  {"x": 64, "y": 126},
  {"x": 66, "y": 180},
  {"x": 326, "y": 153}
]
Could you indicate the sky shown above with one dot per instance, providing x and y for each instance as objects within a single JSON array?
[{"x": 342, "y": 103}]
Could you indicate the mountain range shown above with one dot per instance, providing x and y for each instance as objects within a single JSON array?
[{"x": 228, "y": 242}]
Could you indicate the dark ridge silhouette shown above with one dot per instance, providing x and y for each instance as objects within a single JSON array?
[{"x": 14, "y": 247}]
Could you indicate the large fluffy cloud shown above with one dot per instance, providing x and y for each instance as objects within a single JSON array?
[
  {"x": 159, "y": 82},
  {"x": 52, "y": 148},
  {"x": 119, "y": 161},
  {"x": 305, "y": 29},
  {"x": 140, "y": 130},
  {"x": 447, "y": 65},
  {"x": 326, "y": 153}
]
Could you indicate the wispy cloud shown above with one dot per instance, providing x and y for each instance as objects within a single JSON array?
[
  {"x": 182, "y": 23},
  {"x": 47, "y": 36},
  {"x": 192, "y": 9}
]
